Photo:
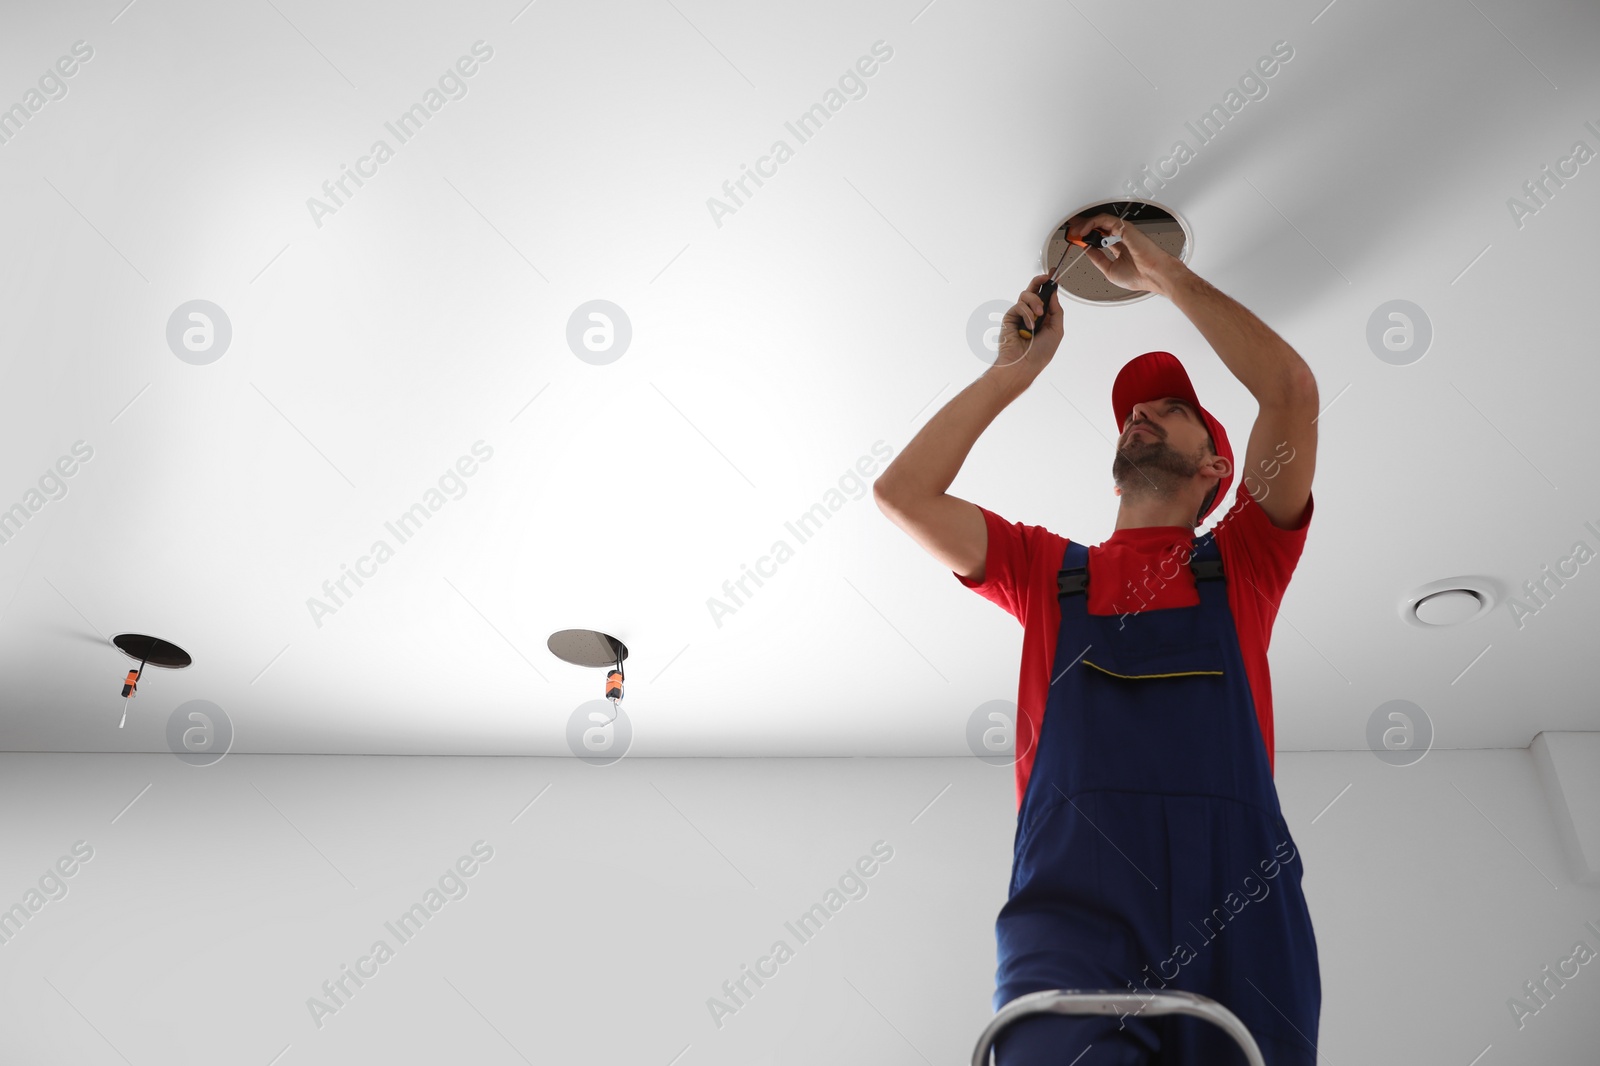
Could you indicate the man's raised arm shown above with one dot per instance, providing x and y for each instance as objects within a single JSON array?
[
  {"x": 1264, "y": 363},
  {"x": 911, "y": 492}
]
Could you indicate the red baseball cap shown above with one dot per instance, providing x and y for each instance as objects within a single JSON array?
[{"x": 1155, "y": 375}]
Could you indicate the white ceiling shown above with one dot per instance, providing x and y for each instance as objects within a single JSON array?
[{"x": 769, "y": 354}]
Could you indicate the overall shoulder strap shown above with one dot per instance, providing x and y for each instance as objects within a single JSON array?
[
  {"x": 1206, "y": 560},
  {"x": 1073, "y": 577}
]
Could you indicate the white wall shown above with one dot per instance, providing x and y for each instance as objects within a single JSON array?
[{"x": 612, "y": 908}]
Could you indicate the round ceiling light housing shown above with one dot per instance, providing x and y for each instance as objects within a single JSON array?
[
  {"x": 1081, "y": 280},
  {"x": 1450, "y": 602}
]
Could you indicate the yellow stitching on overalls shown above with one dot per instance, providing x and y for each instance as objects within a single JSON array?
[{"x": 1184, "y": 673}]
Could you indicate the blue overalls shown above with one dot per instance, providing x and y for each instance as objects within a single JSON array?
[{"x": 1150, "y": 850}]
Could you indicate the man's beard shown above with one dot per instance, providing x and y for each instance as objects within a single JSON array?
[{"x": 1151, "y": 468}]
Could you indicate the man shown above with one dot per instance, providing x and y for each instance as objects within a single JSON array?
[{"x": 1151, "y": 852}]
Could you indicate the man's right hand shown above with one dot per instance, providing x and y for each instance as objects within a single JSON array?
[{"x": 1029, "y": 311}]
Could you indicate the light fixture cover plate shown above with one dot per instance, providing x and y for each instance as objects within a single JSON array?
[
  {"x": 587, "y": 647},
  {"x": 153, "y": 651},
  {"x": 1450, "y": 607}
]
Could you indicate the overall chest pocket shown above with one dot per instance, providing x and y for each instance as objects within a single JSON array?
[{"x": 1129, "y": 658}]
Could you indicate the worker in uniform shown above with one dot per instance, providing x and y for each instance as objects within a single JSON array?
[{"x": 1150, "y": 851}]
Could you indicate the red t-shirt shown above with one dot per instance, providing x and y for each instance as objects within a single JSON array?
[{"x": 1138, "y": 569}]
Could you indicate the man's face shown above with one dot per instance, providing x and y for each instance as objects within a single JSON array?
[{"x": 1161, "y": 447}]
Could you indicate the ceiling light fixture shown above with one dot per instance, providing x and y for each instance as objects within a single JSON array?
[
  {"x": 1081, "y": 280},
  {"x": 150, "y": 651},
  {"x": 1450, "y": 602},
  {"x": 590, "y": 647}
]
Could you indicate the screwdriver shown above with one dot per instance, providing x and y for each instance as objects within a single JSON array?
[{"x": 1096, "y": 239}]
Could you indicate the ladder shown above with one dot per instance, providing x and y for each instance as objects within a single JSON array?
[{"x": 1076, "y": 1001}]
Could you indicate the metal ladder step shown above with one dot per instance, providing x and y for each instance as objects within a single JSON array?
[{"x": 1105, "y": 1001}]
